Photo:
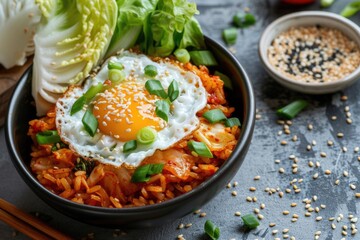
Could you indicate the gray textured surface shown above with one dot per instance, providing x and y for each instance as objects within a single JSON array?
[{"x": 265, "y": 148}]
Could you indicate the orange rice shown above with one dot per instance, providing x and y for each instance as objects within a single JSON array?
[{"x": 110, "y": 186}]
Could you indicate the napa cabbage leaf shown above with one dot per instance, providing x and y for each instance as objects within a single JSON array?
[
  {"x": 72, "y": 38},
  {"x": 18, "y": 22}
]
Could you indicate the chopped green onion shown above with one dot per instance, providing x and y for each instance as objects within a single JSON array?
[
  {"x": 129, "y": 146},
  {"x": 230, "y": 35},
  {"x": 230, "y": 122},
  {"x": 243, "y": 20},
  {"x": 143, "y": 173},
  {"x": 292, "y": 109},
  {"x": 162, "y": 109},
  {"x": 154, "y": 87},
  {"x": 78, "y": 105},
  {"x": 326, "y": 3},
  {"x": 203, "y": 57},
  {"x": 250, "y": 221},
  {"x": 90, "y": 122},
  {"x": 351, "y": 9},
  {"x": 146, "y": 135},
  {"x": 225, "y": 79},
  {"x": 48, "y": 137},
  {"x": 115, "y": 65},
  {"x": 150, "y": 70},
  {"x": 199, "y": 148},
  {"x": 211, "y": 230},
  {"x": 93, "y": 90},
  {"x": 182, "y": 55},
  {"x": 214, "y": 115},
  {"x": 86, "y": 98},
  {"x": 173, "y": 91},
  {"x": 116, "y": 76}
]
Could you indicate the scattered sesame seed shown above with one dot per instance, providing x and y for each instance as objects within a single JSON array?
[
  {"x": 330, "y": 143},
  {"x": 344, "y": 98},
  {"x": 274, "y": 232},
  {"x": 283, "y": 142},
  {"x": 346, "y": 108},
  {"x": 337, "y": 182},
  {"x": 254, "y": 199},
  {"x": 293, "y": 204},
  {"x": 281, "y": 170},
  {"x": 248, "y": 199},
  {"x": 285, "y": 212},
  {"x": 333, "y": 118},
  {"x": 345, "y": 173},
  {"x": 262, "y": 206},
  {"x": 340, "y": 135},
  {"x": 202, "y": 214},
  {"x": 313, "y": 142},
  {"x": 278, "y": 161},
  {"x": 322, "y": 154},
  {"x": 257, "y": 178},
  {"x": 354, "y": 220},
  {"x": 333, "y": 226},
  {"x": 308, "y": 147},
  {"x": 307, "y": 214},
  {"x": 228, "y": 185},
  {"x": 258, "y": 116},
  {"x": 316, "y": 175},
  {"x": 235, "y": 184},
  {"x": 272, "y": 224},
  {"x": 252, "y": 189},
  {"x": 311, "y": 164},
  {"x": 310, "y": 127},
  {"x": 319, "y": 218},
  {"x": 188, "y": 225},
  {"x": 260, "y": 217},
  {"x": 356, "y": 149},
  {"x": 348, "y": 121},
  {"x": 238, "y": 214},
  {"x": 327, "y": 172},
  {"x": 234, "y": 193}
]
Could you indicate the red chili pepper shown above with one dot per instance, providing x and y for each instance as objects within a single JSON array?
[{"x": 298, "y": 2}]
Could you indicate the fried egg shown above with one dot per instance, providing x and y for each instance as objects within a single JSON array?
[{"x": 123, "y": 109}]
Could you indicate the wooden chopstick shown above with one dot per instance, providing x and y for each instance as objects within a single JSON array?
[{"x": 27, "y": 224}]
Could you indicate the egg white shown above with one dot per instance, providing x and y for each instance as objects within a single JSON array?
[{"x": 182, "y": 120}]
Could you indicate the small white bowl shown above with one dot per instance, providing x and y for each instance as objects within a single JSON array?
[{"x": 309, "y": 18}]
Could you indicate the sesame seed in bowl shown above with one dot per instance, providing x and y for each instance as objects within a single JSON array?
[{"x": 312, "y": 52}]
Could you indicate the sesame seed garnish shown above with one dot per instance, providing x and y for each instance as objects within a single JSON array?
[
  {"x": 344, "y": 98},
  {"x": 327, "y": 172},
  {"x": 181, "y": 225},
  {"x": 318, "y": 218},
  {"x": 283, "y": 142},
  {"x": 188, "y": 225},
  {"x": 272, "y": 224},
  {"x": 333, "y": 118},
  {"x": 238, "y": 214},
  {"x": 322, "y": 154},
  {"x": 345, "y": 173},
  {"x": 340, "y": 135},
  {"x": 262, "y": 206},
  {"x": 293, "y": 204},
  {"x": 330, "y": 143},
  {"x": 260, "y": 216},
  {"x": 234, "y": 193},
  {"x": 310, "y": 127},
  {"x": 333, "y": 226},
  {"x": 249, "y": 199},
  {"x": 257, "y": 178},
  {"x": 311, "y": 164},
  {"x": 202, "y": 214},
  {"x": 274, "y": 232},
  {"x": 252, "y": 189},
  {"x": 281, "y": 170}
]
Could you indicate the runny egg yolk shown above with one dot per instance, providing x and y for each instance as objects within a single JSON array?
[{"x": 125, "y": 109}]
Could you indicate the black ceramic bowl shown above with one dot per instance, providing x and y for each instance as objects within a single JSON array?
[{"x": 21, "y": 111}]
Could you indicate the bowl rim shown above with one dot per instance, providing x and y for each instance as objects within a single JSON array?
[
  {"x": 245, "y": 137},
  {"x": 262, "y": 47}
]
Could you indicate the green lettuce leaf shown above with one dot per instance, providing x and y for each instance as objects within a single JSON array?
[
  {"x": 169, "y": 26},
  {"x": 72, "y": 38},
  {"x": 130, "y": 21}
]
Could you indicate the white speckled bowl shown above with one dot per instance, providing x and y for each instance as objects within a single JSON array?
[{"x": 309, "y": 18}]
